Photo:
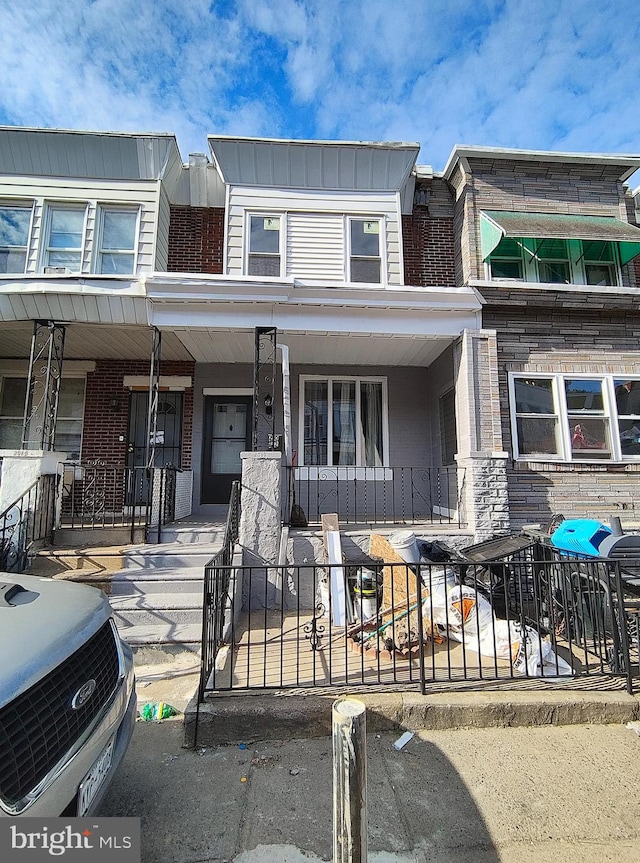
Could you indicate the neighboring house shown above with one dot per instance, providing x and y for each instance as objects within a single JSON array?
[
  {"x": 450, "y": 336},
  {"x": 546, "y": 239}
]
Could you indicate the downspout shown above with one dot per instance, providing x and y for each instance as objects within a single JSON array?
[{"x": 288, "y": 450}]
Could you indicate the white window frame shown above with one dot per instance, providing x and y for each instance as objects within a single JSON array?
[
  {"x": 267, "y": 214},
  {"x": 382, "y": 246},
  {"x": 50, "y": 208},
  {"x": 358, "y": 470},
  {"x": 562, "y": 412},
  {"x": 576, "y": 259},
  {"x": 99, "y": 251},
  {"x": 17, "y": 375},
  {"x": 20, "y": 205}
]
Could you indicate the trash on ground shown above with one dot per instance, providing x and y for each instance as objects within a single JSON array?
[
  {"x": 403, "y": 740},
  {"x": 157, "y": 710},
  {"x": 242, "y": 745},
  {"x": 634, "y": 726}
]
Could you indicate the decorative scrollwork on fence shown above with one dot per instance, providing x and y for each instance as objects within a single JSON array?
[{"x": 313, "y": 630}]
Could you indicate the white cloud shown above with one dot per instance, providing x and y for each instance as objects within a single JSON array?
[{"x": 548, "y": 74}]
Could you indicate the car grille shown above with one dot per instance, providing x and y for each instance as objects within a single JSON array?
[{"x": 40, "y": 725}]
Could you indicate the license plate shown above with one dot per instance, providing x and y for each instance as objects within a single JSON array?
[{"x": 94, "y": 779}]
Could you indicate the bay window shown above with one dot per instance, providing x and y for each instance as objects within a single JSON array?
[
  {"x": 344, "y": 421},
  {"x": 570, "y": 417}
]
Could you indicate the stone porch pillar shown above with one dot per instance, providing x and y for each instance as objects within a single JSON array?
[
  {"x": 260, "y": 527},
  {"x": 484, "y": 495}
]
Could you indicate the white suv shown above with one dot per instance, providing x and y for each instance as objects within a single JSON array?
[{"x": 67, "y": 697}]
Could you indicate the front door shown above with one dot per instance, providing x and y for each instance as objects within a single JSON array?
[
  {"x": 227, "y": 433},
  {"x": 168, "y": 449}
]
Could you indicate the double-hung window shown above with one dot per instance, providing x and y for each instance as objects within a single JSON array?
[
  {"x": 64, "y": 240},
  {"x": 365, "y": 262},
  {"x": 344, "y": 421},
  {"x": 68, "y": 432},
  {"x": 264, "y": 245},
  {"x": 117, "y": 241},
  {"x": 15, "y": 222},
  {"x": 570, "y": 417}
]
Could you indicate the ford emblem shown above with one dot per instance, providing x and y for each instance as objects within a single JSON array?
[{"x": 83, "y": 694}]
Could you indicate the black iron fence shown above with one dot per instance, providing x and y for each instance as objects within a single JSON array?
[
  {"x": 96, "y": 496},
  {"x": 376, "y": 495},
  {"x": 532, "y": 616},
  {"x": 27, "y": 524}
]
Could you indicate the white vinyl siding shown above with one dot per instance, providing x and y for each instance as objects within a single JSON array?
[
  {"x": 92, "y": 195},
  {"x": 322, "y": 261},
  {"x": 314, "y": 237}
]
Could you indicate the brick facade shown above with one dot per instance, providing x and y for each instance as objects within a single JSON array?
[
  {"x": 428, "y": 237},
  {"x": 106, "y": 412},
  {"x": 196, "y": 240}
]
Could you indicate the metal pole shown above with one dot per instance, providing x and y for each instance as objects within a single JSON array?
[{"x": 349, "y": 728}]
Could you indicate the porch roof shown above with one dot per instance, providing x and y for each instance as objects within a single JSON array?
[{"x": 496, "y": 224}]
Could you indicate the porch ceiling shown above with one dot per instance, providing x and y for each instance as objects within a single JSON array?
[
  {"x": 233, "y": 346},
  {"x": 93, "y": 342},
  {"x": 109, "y": 342}
]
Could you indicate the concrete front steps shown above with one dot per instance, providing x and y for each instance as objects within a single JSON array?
[{"x": 156, "y": 591}]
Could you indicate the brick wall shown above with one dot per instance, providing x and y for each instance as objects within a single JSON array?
[
  {"x": 196, "y": 240},
  {"x": 428, "y": 236},
  {"x": 565, "y": 332},
  {"x": 106, "y": 410}
]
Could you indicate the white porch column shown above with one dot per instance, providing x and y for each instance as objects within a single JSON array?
[
  {"x": 260, "y": 526},
  {"x": 480, "y": 451}
]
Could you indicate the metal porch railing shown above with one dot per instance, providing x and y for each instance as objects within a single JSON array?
[
  {"x": 96, "y": 496},
  {"x": 528, "y": 619},
  {"x": 27, "y": 523},
  {"x": 376, "y": 495}
]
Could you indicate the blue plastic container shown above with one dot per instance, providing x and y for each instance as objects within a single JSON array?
[{"x": 580, "y": 536}]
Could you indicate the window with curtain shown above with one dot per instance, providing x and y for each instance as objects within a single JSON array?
[
  {"x": 570, "y": 417},
  {"x": 344, "y": 422}
]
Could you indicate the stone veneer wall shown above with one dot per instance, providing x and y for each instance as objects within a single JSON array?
[
  {"x": 561, "y": 331},
  {"x": 546, "y": 187}
]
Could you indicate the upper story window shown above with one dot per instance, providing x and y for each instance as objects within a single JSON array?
[
  {"x": 566, "y": 417},
  {"x": 64, "y": 238},
  {"x": 555, "y": 261},
  {"x": 264, "y": 255},
  {"x": 364, "y": 250},
  {"x": 14, "y": 238},
  {"x": 117, "y": 241}
]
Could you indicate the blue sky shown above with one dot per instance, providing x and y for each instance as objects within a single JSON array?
[{"x": 536, "y": 74}]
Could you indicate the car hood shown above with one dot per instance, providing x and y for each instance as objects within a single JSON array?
[{"x": 42, "y": 622}]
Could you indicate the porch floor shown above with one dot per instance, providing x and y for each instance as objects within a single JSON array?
[{"x": 276, "y": 653}]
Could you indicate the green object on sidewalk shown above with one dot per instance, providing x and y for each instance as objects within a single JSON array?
[{"x": 157, "y": 710}]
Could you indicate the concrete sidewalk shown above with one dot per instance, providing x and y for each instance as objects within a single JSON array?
[{"x": 485, "y": 795}]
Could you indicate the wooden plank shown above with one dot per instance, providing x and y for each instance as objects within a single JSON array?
[{"x": 399, "y": 593}]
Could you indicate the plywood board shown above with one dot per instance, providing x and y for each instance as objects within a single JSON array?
[{"x": 399, "y": 592}]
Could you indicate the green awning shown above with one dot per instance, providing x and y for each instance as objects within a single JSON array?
[{"x": 496, "y": 224}]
